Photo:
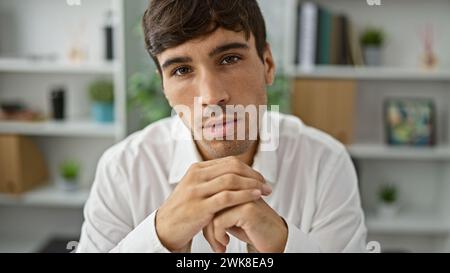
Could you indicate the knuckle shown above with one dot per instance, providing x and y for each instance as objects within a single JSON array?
[
  {"x": 255, "y": 184},
  {"x": 226, "y": 180},
  {"x": 230, "y": 180},
  {"x": 192, "y": 192},
  {"x": 190, "y": 174},
  {"x": 195, "y": 174},
  {"x": 195, "y": 191},
  {"x": 260, "y": 177},
  {"x": 193, "y": 167},
  {"x": 225, "y": 198}
]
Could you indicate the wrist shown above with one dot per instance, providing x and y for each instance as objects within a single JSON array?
[
  {"x": 159, "y": 231},
  {"x": 284, "y": 235}
]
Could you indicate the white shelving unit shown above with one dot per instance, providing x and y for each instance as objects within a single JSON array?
[
  {"x": 409, "y": 223},
  {"x": 11, "y": 65},
  {"x": 421, "y": 174},
  {"x": 78, "y": 128},
  {"x": 78, "y": 137},
  {"x": 370, "y": 73},
  {"x": 385, "y": 152},
  {"x": 47, "y": 196}
]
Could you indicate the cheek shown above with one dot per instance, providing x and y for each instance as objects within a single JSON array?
[
  {"x": 248, "y": 88},
  {"x": 178, "y": 94}
]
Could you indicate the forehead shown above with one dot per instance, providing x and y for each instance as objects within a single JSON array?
[{"x": 204, "y": 44}]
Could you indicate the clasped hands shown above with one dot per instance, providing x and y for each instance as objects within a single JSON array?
[{"x": 221, "y": 197}]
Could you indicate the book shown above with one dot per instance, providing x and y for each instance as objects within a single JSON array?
[
  {"x": 324, "y": 36},
  {"x": 308, "y": 32},
  {"x": 335, "y": 40},
  {"x": 344, "y": 55},
  {"x": 356, "y": 54},
  {"x": 297, "y": 34}
]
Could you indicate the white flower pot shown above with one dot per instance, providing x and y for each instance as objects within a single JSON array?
[
  {"x": 67, "y": 185},
  {"x": 388, "y": 211},
  {"x": 372, "y": 55}
]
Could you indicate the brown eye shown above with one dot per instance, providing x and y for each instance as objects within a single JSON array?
[
  {"x": 180, "y": 71},
  {"x": 231, "y": 59}
]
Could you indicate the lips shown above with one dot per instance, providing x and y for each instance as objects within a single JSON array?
[
  {"x": 219, "y": 122},
  {"x": 219, "y": 128}
]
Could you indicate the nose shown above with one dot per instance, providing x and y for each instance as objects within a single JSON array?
[{"x": 212, "y": 90}]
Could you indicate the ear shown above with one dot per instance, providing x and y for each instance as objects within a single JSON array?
[
  {"x": 269, "y": 65},
  {"x": 158, "y": 72}
]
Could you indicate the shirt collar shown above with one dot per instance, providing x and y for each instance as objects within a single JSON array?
[{"x": 186, "y": 153}]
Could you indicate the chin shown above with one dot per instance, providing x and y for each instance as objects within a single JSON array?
[{"x": 224, "y": 148}]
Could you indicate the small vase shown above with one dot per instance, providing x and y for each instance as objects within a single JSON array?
[
  {"x": 103, "y": 112},
  {"x": 429, "y": 60},
  {"x": 372, "y": 55}
]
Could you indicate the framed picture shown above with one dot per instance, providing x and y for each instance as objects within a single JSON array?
[{"x": 410, "y": 121}]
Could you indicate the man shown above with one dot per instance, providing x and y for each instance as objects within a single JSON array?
[{"x": 186, "y": 186}]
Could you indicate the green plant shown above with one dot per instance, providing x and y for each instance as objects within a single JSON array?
[
  {"x": 278, "y": 94},
  {"x": 102, "y": 91},
  {"x": 145, "y": 94},
  {"x": 69, "y": 170},
  {"x": 372, "y": 37},
  {"x": 388, "y": 194}
]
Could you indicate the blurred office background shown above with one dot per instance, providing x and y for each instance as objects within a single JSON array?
[{"x": 75, "y": 79}]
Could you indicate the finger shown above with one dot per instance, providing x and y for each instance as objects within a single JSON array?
[
  {"x": 232, "y": 182},
  {"x": 223, "y": 222},
  {"x": 204, "y": 164},
  {"x": 221, "y": 235},
  {"x": 239, "y": 233},
  {"x": 226, "y": 199},
  {"x": 225, "y": 241},
  {"x": 208, "y": 233},
  {"x": 202, "y": 171},
  {"x": 231, "y": 165}
]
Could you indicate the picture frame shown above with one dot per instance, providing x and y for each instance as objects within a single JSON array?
[{"x": 410, "y": 122}]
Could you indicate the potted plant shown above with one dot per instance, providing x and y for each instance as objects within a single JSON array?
[
  {"x": 388, "y": 197},
  {"x": 278, "y": 93},
  {"x": 69, "y": 172},
  {"x": 146, "y": 95},
  {"x": 101, "y": 93},
  {"x": 372, "y": 41}
]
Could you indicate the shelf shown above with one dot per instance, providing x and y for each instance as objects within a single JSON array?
[
  {"x": 16, "y": 244},
  {"x": 48, "y": 196},
  {"x": 29, "y": 66},
  {"x": 380, "y": 151},
  {"x": 370, "y": 73},
  {"x": 408, "y": 223},
  {"x": 54, "y": 128}
]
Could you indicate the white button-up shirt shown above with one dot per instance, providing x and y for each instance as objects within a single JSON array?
[{"x": 314, "y": 185}]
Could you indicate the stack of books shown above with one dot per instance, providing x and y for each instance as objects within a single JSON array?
[{"x": 324, "y": 38}]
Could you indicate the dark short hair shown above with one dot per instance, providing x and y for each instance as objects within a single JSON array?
[{"x": 169, "y": 23}]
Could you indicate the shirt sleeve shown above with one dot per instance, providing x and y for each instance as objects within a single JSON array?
[
  {"x": 338, "y": 224},
  {"x": 108, "y": 226}
]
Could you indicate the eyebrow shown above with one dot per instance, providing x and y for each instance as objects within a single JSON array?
[
  {"x": 226, "y": 47},
  {"x": 176, "y": 60},
  {"x": 215, "y": 51}
]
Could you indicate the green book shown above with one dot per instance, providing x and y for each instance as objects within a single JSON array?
[{"x": 324, "y": 36}]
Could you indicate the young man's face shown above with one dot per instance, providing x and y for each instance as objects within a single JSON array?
[{"x": 221, "y": 69}]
